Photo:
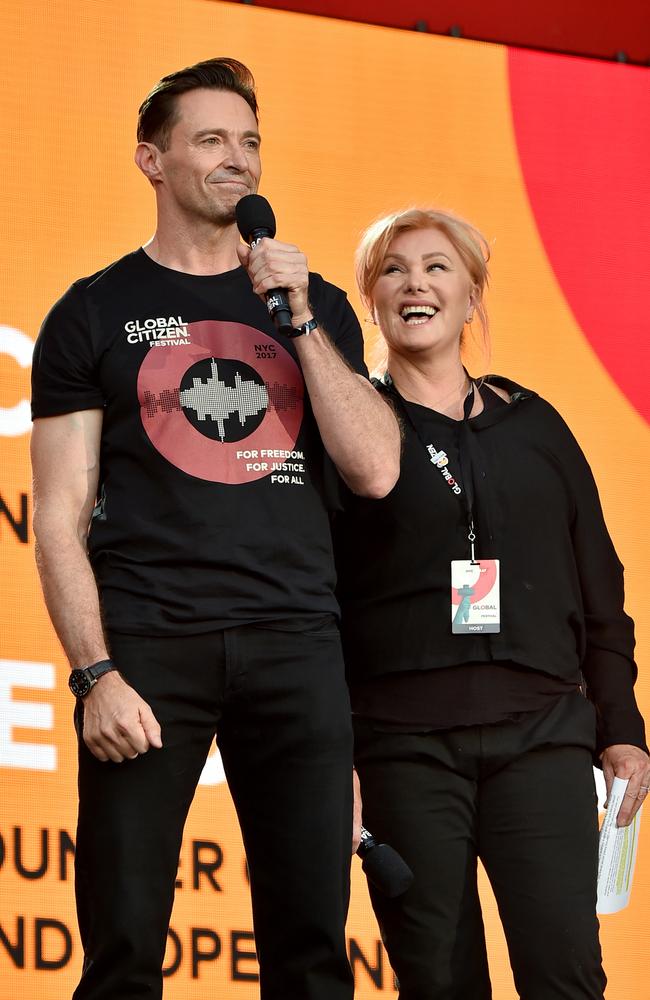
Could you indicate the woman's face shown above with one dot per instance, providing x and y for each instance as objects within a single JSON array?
[{"x": 423, "y": 296}]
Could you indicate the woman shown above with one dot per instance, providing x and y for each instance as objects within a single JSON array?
[{"x": 482, "y": 599}]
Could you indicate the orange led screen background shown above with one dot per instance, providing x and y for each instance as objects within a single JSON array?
[{"x": 547, "y": 155}]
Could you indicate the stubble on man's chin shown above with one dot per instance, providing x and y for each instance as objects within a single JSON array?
[
  {"x": 232, "y": 212},
  {"x": 226, "y": 215},
  {"x": 221, "y": 217}
]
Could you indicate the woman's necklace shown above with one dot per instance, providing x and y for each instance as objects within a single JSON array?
[{"x": 461, "y": 391}]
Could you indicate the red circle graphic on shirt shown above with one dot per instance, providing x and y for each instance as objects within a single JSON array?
[{"x": 166, "y": 395}]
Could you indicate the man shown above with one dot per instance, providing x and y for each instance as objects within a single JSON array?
[{"x": 180, "y": 510}]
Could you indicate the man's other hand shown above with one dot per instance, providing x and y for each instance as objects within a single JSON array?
[{"x": 118, "y": 724}]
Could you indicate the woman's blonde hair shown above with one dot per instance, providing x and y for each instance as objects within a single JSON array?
[{"x": 469, "y": 243}]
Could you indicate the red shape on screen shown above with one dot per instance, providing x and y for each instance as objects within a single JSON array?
[{"x": 584, "y": 146}]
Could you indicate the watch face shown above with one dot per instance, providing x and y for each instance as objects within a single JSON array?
[{"x": 79, "y": 683}]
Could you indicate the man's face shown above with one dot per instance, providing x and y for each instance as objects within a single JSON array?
[{"x": 213, "y": 158}]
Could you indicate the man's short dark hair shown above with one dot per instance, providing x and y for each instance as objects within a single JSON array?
[{"x": 158, "y": 113}]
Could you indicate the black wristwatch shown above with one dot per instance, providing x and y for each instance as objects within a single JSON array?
[
  {"x": 304, "y": 329},
  {"x": 83, "y": 679}
]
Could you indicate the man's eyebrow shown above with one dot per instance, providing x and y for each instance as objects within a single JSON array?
[{"x": 248, "y": 134}]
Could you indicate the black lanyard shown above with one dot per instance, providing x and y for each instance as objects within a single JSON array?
[{"x": 464, "y": 489}]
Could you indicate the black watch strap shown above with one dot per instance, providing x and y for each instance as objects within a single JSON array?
[
  {"x": 304, "y": 329},
  {"x": 95, "y": 670},
  {"x": 83, "y": 679}
]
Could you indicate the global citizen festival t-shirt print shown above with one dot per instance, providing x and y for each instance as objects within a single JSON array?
[
  {"x": 247, "y": 411},
  {"x": 212, "y": 504}
]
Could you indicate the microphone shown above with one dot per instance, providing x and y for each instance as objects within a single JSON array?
[
  {"x": 255, "y": 220},
  {"x": 387, "y": 871}
]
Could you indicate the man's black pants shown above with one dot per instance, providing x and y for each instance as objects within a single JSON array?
[
  {"x": 279, "y": 706},
  {"x": 520, "y": 795}
]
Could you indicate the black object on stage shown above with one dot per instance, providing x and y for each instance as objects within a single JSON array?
[
  {"x": 255, "y": 221},
  {"x": 387, "y": 871}
]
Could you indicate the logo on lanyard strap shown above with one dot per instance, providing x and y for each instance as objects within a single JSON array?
[{"x": 440, "y": 460}]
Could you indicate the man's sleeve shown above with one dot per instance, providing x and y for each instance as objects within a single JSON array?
[
  {"x": 332, "y": 309},
  {"x": 64, "y": 367}
]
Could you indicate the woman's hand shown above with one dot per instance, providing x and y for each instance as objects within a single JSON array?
[{"x": 624, "y": 761}]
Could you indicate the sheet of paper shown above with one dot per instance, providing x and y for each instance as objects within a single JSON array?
[{"x": 616, "y": 854}]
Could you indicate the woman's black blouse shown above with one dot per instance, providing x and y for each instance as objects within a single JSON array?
[{"x": 537, "y": 510}]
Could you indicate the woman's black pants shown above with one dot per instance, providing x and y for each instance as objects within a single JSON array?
[
  {"x": 278, "y": 704},
  {"x": 520, "y": 796}
]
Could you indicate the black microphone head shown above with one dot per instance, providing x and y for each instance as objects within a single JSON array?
[
  {"x": 253, "y": 213},
  {"x": 387, "y": 871}
]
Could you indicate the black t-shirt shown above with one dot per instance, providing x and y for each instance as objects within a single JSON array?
[
  {"x": 536, "y": 510},
  {"x": 214, "y": 484}
]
